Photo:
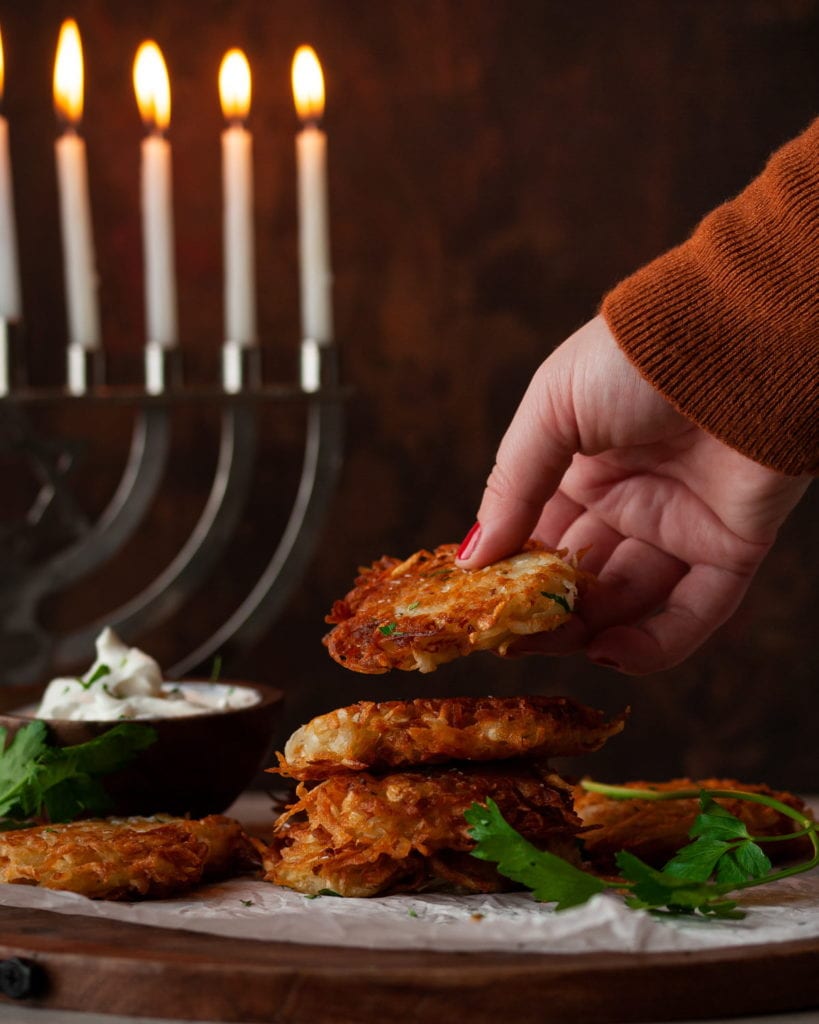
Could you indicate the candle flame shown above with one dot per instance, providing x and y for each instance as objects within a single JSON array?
[
  {"x": 152, "y": 87},
  {"x": 308, "y": 84},
  {"x": 234, "y": 85},
  {"x": 68, "y": 73},
  {"x": 2, "y": 67}
]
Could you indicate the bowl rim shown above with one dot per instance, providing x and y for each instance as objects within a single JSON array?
[{"x": 268, "y": 695}]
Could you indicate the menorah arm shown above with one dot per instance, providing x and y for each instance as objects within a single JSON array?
[
  {"x": 198, "y": 556},
  {"x": 320, "y": 469},
  {"x": 136, "y": 490}
]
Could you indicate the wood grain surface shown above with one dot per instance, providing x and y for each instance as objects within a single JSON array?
[{"x": 108, "y": 967}]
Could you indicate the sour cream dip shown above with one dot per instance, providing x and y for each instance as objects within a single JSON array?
[{"x": 126, "y": 683}]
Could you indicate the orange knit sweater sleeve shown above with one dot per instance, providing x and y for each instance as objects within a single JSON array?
[{"x": 726, "y": 325}]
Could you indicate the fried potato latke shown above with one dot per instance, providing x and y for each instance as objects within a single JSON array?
[
  {"x": 366, "y": 835},
  {"x": 425, "y": 610},
  {"x": 127, "y": 858},
  {"x": 654, "y": 831},
  {"x": 396, "y": 733}
]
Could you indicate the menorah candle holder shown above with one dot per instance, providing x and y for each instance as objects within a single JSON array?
[{"x": 29, "y": 652}]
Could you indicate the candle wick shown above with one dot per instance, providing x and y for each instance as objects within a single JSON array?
[
  {"x": 311, "y": 123},
  {"x": 68, "y": 127}
]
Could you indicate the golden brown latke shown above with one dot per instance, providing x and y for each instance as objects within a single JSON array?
[
  {"x": 399, "y": 733},
  {"x": 365, "y": 835},
  {"x": 127, "y": 858},
  {"x": 425, "y": 610},
  {"x": 654, "y": 831}
]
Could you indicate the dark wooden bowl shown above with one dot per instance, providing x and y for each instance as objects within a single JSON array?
[{"x": 198, "y": 765}]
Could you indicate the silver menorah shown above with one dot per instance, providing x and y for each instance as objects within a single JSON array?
[{"x": 27, "y": 650}]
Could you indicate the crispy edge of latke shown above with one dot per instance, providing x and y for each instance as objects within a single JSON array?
[
  {"x": 363, "y": 646},
  {"x": 389, "y": 735}
]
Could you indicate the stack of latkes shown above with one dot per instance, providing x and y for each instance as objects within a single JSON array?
[{"x": 383, "y": 788}]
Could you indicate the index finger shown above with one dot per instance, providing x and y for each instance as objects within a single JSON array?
[{"x": 532, "y": 458}]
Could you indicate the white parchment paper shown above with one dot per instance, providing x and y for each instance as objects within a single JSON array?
[{"x": 249, "y": 909}]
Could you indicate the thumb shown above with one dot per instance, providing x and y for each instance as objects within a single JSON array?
[{"x": 533, "y": 456}]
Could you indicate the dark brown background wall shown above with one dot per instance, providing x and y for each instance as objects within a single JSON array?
[{"x": 495, "y": 168}]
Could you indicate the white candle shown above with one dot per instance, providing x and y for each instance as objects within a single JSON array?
[
  {"x": 78, "y": 242},
  {"x": 314, "y": 224},
  {"x": 158, "y": 242},
  {"x": 240, "y": 285},
  {"x": 237, "y": 190},
  {"x": 9, "y": 271},
  {"x": 154, "y": 98},
  {"x": 75, "y": 208}
]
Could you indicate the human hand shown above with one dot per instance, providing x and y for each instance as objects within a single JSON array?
[{"x": 677, "y": 523}]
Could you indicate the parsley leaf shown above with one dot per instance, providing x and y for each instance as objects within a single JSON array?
[
  {"x": 716, "y": 822},
  {"x": 550, "y": 878},
  {"x": 59, "y": 783},
  {"x": 659, "y": 890},
  {"x": 697, "y": 861},
  {"x": 100, "y": 672},
  {"x": 722, "y": 847},
  {"x": 558, "y": 599}
]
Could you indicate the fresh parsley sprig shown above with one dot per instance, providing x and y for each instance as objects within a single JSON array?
[
  {"x": 41, "y": 782},
  {"x": 722, "y": 859}
]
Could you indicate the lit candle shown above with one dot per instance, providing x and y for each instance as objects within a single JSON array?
[
  {"x": 9, "y": 272},
  {"x": 153, "y": 93},
  {"x": 75, "y": 209},
  {"x": 237, "y": 187},
  {"x": 314, "y": 227}
]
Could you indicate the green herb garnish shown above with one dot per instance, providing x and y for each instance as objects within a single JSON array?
[
  {"x": 558, "y": 599},
  {"x": 722, "y": 859},
  {"x": 550, "y": 878},
  {"x": 388, "y": 629},
  {"x": 216, "y": 669},
  {"x": 99, "y": 673},
  {"x": 722, "y": 847},
  {"x": 247, "y": 903},
  {"x": 42, "y": 782},
  {"x": 413, "y": 606}
]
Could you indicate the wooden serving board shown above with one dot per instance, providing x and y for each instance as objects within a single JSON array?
[{"x": 81, "y": 963}]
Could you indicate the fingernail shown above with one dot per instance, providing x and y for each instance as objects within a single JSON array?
[
  {"x": 605, "y": 662},
  {"x": 470, "y": 542}
]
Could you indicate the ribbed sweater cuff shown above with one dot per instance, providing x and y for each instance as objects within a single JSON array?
[{"x": 726, "y": 326}]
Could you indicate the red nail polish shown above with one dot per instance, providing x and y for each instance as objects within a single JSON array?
[{"x": 470, "y": 541}]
